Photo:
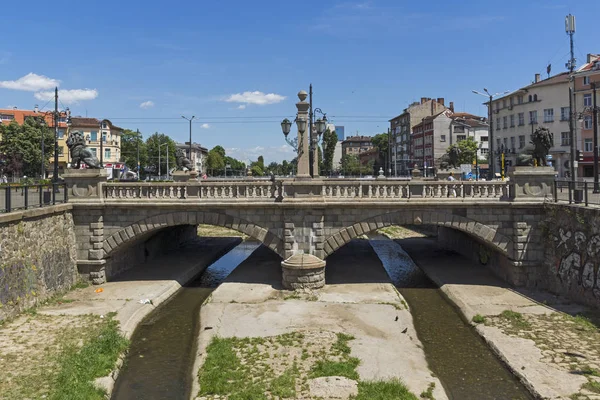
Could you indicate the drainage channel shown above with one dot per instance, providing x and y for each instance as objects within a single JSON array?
[
  {"x": 163, "y": 347},
  {"x": 455, "y": 352}
]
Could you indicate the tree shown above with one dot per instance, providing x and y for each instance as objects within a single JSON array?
[
  {"x": 152, "y": 144},
  {"x": 350, "y": 164},
  {"x": 381, "y": 142},
  {"x": 215, "y": 161},
  {"x": 257, "y": 170},
  {"x": 261, "y": 162},
  {"x": 330, "y": 140},
  {"x": 21, "y": 146},
  {"x": 130, "y": 141},
  {"x": 468, "y": 150},
  {"x": 237, "y": 167}
]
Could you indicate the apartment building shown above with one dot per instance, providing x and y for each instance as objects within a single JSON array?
[
  {"x": 543, "y": 103},
  {"x": 354, "y": 145},
  {"x": 198, "y": 157},
  {"x": 19, "y": 116},
  {"x": 584, "y": 81},
  {"x": 401, "y": 128},
  {"x": 94, "y": 131},
  {"x": 464, "y": 125}
]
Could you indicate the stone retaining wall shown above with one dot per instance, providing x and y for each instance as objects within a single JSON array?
[
  {"x": 571, "y": 235},
  {"x": 37, "y": 256}
]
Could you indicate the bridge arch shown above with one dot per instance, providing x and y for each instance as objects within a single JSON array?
[
  {"x": 482, "y": 232},
  {"x": 154, "y": 224}
]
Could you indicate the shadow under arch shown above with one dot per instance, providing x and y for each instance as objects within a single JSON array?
[
  {"x": 482, "y": 232},
  {"x": 151, "y": 225}
]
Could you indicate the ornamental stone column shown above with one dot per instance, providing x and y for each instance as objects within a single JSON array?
[{"x": 303, "y": 138}]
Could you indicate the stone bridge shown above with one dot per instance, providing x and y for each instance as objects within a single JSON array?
[{"x": 117, "y": 223}]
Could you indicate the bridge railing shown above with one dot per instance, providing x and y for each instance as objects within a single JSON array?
[
  {"x": 287, "y": 190},
  {"x": 24, "y": 197}
]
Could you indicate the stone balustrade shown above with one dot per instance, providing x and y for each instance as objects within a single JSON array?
[{"x": 287, "y": 190}]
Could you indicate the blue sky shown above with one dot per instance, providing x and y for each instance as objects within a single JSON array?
[{"x": 143, "y": 65}]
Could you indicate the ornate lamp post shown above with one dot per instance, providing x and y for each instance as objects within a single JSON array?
[{"x": 303, "y": 145}]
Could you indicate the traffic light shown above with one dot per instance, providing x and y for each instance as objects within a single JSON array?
[{"x": 579, "y": 154}]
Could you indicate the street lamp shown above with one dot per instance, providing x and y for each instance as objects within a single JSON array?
[
  {"x": 190, "y": 149},
  {"x": 491, "y": 167}
]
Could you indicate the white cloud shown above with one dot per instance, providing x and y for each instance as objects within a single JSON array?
[
  {"x": 69, "y": 96},
  {"x": 241, "y": 106},
  {"x": 147, "y": 104},
  {"x": 31, "y": 83},
  {"x": 258, "y": 98},
  {"x": 205, "y": 126}
]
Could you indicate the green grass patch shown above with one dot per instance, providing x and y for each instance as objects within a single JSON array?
[
  {"x": 584, "y": 324},
  {"x": 222, "y": 372},
  {"x": 592, "y": 386},
  {"x": 78, "y": 367},
  {"x": 384, "y": 390},
  {"x": 285, "y": 384},
  {"x": 341, "y": 345},
  {"x": 516, "y": 319},
  {"x": 478, "y": 319},
  {"x": 346, "y": 367},
  {"x": 293, "y": 296},
  {"x": 428, "y": 394}
]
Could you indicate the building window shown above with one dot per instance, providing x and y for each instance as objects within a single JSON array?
[
  {"x": 564, "y": 113},
  {"x": 533, "y": 117},
  {"x": 549, "y": 115},
  {"x": 93, "y": 136},
  {"x": 564, "y": 139},
  {"x": 61, "y": 133},
  {"x": 521, "y": 119},
  {"x": 497, "y": 105},
  {"x": 505, "y": 142},
  {"x": 512, "y": 120},
  {"x": 6, "y": 117},
  {"x": 461, "y": 137},
  {"x": 484, "y": 139},
  {"x": 588, "y": 145},
  {"x": 535, "y": 97},
  {"x": 498, "y": 143},
  {"x": 587, "y": 122},
  {"x": 503, "y": 103},
  {"x": 497, "y": 124},
  {"x": 520, "y": 99},
  {"x": 521, "y": 141},
  {"x": 511, "y": 101},
  {"x": 104, "y": 137},
  {"x": 530, "y": 98},
  {"x": 505, "y": 122},
  {"x": 61, "y": 150},
  {"x": 459, "y": 129},
  {"x": 484, "y": 151},
  {"x": 512, "y": 142},
  {"x": 586, "y": 80},
  {"x": 94, "y": 152},
  {"x": 587, "y": 100},
  {"x": 104, "y": 125},
  {"x": 107, "y": 153}
]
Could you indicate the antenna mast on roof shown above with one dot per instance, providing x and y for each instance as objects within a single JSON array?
[{"x": 570, "y": 29}]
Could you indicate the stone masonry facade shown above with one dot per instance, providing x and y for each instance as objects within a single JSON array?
[
  {"x": 37, "y": 256},
  {"x": 105, "y": 230}
]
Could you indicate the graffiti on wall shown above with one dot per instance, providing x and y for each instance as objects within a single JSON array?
[{"x": 577, "y": 257}]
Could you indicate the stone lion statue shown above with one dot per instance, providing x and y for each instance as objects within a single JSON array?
[
  {"x": 450, "y": 159},
  {"x": 183, "y": 162},
  {"x": 80, "y": 153},
  {"x": 535, "y": 153}
]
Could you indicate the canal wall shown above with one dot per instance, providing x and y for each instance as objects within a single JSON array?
[
  {"x": 37, "y": 256},
  {"x": 571, "y": 236}
]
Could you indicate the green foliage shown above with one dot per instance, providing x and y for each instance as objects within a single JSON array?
[
  {"x": 152, "y": 144},
  {"x": 381, "y": 141},
  {"x": 236, "y": 167},
  {"x": 468, "y": 150},
  {"x": 479, "y": 319},
  {"x": 257, "y": 170},
  {"x": 130, "y": 141},
  {"x": 215, "y": 161},
  {"x": 330, "y": 140},
  {"x": 284, "y": 385},
  {"x": 78, "y": 367},
  {"x": 346, "y": 367},
  {"x": 21, "y": 147},
  {"x": 428, "y": 394},
  {"x": 516, "y": 319},
  {"x": 341, "y": 345},
  {"x": 384, "y": 390},
  {"x": 351, "y": 166}
]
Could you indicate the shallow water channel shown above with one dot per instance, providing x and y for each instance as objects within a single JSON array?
[{"x": 162, "y": 348}]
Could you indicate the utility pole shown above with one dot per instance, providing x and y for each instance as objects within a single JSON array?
[
  {"x": 389, "y": 152},
  {"x": 595, "y": 122},
  {"x": 570, "y": 30},
  {"x": 168, "y": 160},
  {"x": 159, "y": 145},
  {"x": 56, "y": 115},
  {"x": 137, "y": 138}
]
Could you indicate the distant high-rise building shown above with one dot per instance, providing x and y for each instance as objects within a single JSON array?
[{"x": 340, "y": 133}]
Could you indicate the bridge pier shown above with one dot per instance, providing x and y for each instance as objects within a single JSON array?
[{"x": 303, "y": 271}]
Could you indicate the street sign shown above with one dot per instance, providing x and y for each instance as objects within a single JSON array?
[{"x": 465, "y": 168}]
